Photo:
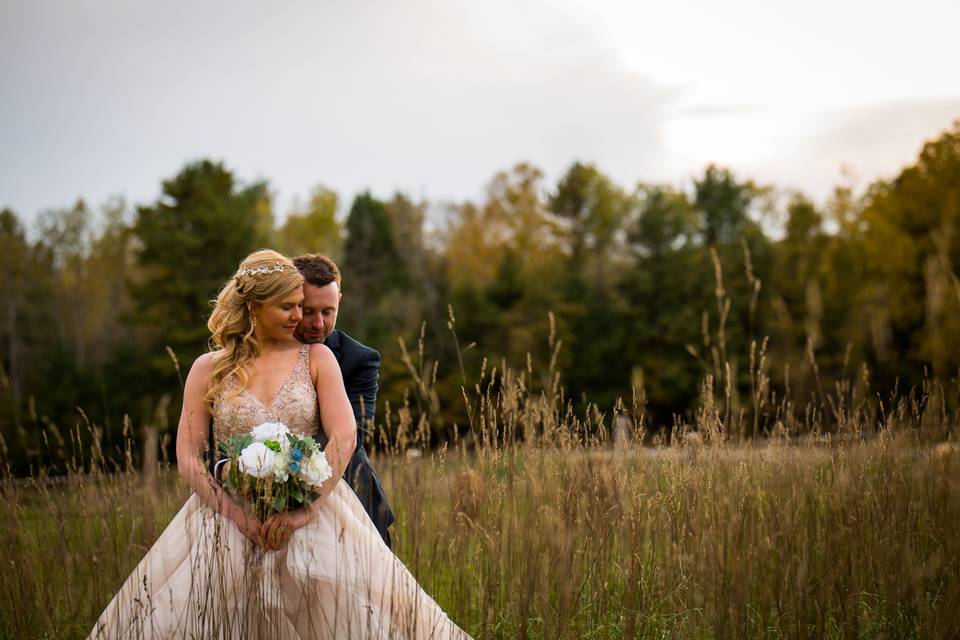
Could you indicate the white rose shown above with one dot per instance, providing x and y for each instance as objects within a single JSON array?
[
  {"x": 316, "y": 469},
  {"x": 257, "y": 460},
  {"x": 281, "y": 464},
  {"x": 276, "y": 431}
]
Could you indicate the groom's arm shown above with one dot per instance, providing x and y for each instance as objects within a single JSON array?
[{"x": 362, "y": 391}]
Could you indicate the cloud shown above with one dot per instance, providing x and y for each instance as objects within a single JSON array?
[
  {"x": 881, "y": 138},
  {"x": 431, "y": 98},
  {"x": 859, "y": 144},
  {"x": 714, "y": 110}
]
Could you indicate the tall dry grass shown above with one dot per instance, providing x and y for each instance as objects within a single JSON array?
[
  {"x": 542, "y": 523},
  {"x": 536, "y": 526}
]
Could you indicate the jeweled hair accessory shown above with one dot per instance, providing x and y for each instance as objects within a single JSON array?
[{"x": 259, "y": 271}]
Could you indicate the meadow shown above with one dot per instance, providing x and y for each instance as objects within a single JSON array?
[{"x": 540, "y": 523}]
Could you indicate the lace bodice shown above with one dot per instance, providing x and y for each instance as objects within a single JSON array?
[{"x": 295, "y": 405}]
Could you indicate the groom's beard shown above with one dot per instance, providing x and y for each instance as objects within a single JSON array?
[{"x": 310, "y": 337}]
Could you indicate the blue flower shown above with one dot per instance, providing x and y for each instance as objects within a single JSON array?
[
  {"x": 296, "y": 454},
  {"x": 294, "y": 467}
]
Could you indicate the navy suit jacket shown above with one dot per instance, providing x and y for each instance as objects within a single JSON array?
[{"x": 360, "y": 366}]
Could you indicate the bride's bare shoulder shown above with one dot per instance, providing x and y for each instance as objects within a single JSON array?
[
  {"x": 205, "y": 360},
  {"x": 202, "y": 366},
  {"x": 321, "y": 356},
  {"x": 323, "y": 363}
]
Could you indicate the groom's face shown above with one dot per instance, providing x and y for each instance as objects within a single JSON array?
[{"x": 320, "y": 307}]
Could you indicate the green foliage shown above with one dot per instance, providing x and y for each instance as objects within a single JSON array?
[
  {"x": 911, "y": 241},
  {"x": 594, "y": 209},
  {"x": 651, "y": 292},
  {"x": 723, "y": 203},
  {"x": 658, "y": 289},
  {"x": 189, "y": 242},
  {"x": 371, "y": 266},
  {"x": 314, "y": 230},
  {"x": 370, "y": 254},
  {"x": 17, "y": 259}
]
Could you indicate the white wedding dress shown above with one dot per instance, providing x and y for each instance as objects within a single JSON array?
[{"x": 334, "y": 579}]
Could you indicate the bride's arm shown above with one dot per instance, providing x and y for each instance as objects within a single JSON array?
[
  {"x": 336, "y": 413},
  {"x": 193, "y": 433},
  {"x": 340, "y": 426}
]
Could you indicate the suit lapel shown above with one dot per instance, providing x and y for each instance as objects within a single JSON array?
[{"x": 333, "y": 342}]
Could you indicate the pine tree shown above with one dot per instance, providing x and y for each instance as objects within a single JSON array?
[{"x": 190, "y": 241}]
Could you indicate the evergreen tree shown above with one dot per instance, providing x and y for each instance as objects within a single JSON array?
[
  {"x": 16, "y": 262},
  {"x": 723, "y": 203},
  {"x": 189, "y": 242},
  {"x": 371, "y": 267},
  {"x": 657, "y": 289},
  {"x": 593, "y": 210}
]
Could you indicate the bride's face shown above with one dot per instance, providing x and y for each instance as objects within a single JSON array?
[{"x": 278, "y": 318}]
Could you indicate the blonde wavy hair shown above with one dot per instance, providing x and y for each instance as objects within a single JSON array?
[{"x": 263, "y": 276}]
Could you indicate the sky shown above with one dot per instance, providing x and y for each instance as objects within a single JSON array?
[{"x": 109, "y": 97}]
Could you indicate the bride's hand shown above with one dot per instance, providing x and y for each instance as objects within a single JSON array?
[
  {"x": 277, "y": 529},
  {"x": 250, "y": 527}
]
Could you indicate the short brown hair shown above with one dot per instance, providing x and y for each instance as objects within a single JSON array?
[{"x": 317, "y": 269}]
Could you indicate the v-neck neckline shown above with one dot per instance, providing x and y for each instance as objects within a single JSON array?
[{"x": 276, "y": 393}]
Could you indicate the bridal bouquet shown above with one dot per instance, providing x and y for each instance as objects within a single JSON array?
[{"x": 276, "y": 470}]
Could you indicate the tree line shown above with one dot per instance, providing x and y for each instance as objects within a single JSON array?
[{"x": 622, "y": 291}]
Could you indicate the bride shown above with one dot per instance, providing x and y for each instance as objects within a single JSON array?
[{"x": 318, "y": 572}]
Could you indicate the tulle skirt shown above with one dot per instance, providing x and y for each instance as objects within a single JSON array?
[{"x": 334, "y": 579}]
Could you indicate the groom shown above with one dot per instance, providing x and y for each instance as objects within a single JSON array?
[{"x": 360, "y": 366}]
